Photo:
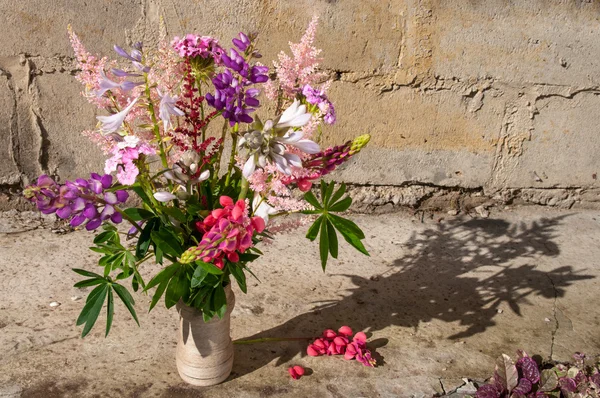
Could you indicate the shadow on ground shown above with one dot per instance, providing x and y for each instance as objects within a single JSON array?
[{"x": 459, "y": 271}]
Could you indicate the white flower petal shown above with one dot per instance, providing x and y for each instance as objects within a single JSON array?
[
  {"x": 293, "y": 159},
  {"x": 307, "y": 146},
  {"x": 249, "y": 167},
  {"x": 204, "y": 175},
  {"x": 289, "y": 113},
  {"x": 112, "y": 123},
  {"x": 291, "y": 137},
  {"x": 164, "y": 196}
]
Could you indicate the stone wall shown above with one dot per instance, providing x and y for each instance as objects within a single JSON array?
[{"x": 496, "y": 97}]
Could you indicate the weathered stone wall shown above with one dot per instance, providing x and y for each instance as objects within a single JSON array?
[{"x": 496, "y": 96}]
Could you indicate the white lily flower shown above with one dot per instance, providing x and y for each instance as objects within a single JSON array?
[
  {"x": 112, "y": 123},
  {"x": 294, "y": 116},
  {"x": 261, "y": 208}
]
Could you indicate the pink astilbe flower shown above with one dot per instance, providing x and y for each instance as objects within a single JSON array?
[
  {"x": 295, "y": 72},
  {"x": 91, "y": 70},
  {"x": 125, "y": 154},
  {"x": 227, "y": 232},
  {"x": 332, "y": 343}
]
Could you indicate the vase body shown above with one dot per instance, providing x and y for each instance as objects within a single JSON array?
[{"x": 205, "y": 351}]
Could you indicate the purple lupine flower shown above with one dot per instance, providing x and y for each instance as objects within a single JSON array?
[
  {"x": 242, "y": 43},
  {"x": 232, "y": 95},
  {"x": 78, "y": 201}
]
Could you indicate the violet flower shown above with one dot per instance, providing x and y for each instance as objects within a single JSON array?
[{"x": 79, "y": 201}]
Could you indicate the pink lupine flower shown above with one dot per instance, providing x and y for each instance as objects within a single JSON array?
[
  {"x": 296, "y": 372},
  {"x": 333, "y": 343},
  {"x": 227, "y": 232},
  {"x": 345, "y": 330}
]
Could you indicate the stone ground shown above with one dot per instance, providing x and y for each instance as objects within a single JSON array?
[{"x": 440, "y": 298}]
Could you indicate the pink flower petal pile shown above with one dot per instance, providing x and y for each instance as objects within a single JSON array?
[
  {"x": 296, "y": 372},
  {"x": 339, "y": 343}
]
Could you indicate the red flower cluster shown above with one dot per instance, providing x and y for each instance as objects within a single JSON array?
[
  {"x": 296, "y": 372},
  {"x": 339, "y": 343}
]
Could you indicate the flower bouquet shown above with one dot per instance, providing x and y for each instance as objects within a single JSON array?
[{"x": 183, "y": 134}]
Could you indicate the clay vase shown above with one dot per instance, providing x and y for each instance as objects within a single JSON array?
[{"x": 205, "y": 351}]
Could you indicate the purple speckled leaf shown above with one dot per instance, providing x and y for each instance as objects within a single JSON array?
[
  {"x": 506, "y": 372},
  {"x": 567, "y": 384},
  {"x": 595, "y": 378},
  {"x": 549, "y": 380},
  {"x": 523, "y": 387},
  {"x": 529, "y": 369},
  {"x": 488, "y": 391}
]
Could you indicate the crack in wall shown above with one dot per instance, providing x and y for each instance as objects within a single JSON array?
[{"x": 556, "y": 323}]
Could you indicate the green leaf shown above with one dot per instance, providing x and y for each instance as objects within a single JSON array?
[
  {"x": 137, "y": 214},
  {"x": 549, "y": 380},
  {"x": 126, "y": 299},
  {"x": 342, "y": 205},
  {"x": 323, "y": 190},
  {"x": 92, "y": 309},
  {"x": 89, "y": 301},
  {"x": 158, "y": 293},
  {"x": 86, "y": 273},
  {"x": 167, "y": 242},
  {"x": 103, "y": 237},
  {"x": 333, "y": 241},
  {"x": 176, "y": 289},
  {"x": 145, "y": 238},
  {"x": 324, "y": 244},
  {"x": 248, "y": 257},
  {"x": 239, "y": 276},
  {"x": 199, "y": 274},
  {"x": 210, "y": 268},
  {"x": 349, "y": 225},
  {"x": 312, "y": 200},
  {"x": 349, "y": 235},
  {"x": 110, "y": 311},
  {"x": 89, "y": 282},
  {"x": 219, "y": 301},
  {"x": 338, "y": 194},
  {"x": 163, "y": 275},
  {"x": 176, "y": 213},
  {"x": 328, "y": 193},
  {"x": 142, "y": 194},
  {"x": 251, "y": 273},
  {"x": 313, "y": 231}
]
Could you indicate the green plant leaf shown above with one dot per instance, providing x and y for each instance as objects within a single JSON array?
[
  {"x": 328, "y": 193},
  {"x": 219, "y": 301},
  {"x": 210, "y": 268},
  {"x": 142, "y": 194},
  {"x": 349, "y": 225},
  {"x": 126, "y": 298},
  {"x": 137, "y": 214},
  {"x": 89, "y": 301},
  {"x": 199, "y": 274},
  {"x": 312, "y": 200},
  {"x": 342, "y": 205},
  {"x": 248, "y": 257},
  {"x": 89, "y": 282},
  {"x": 333, "y": 241},
  {"x": 176, "y": 213},
  {"x": 324, "y": 244},
  {"x": 110, "y": 310},
  {"x": 548, "y": 380},
  {"x": 145, "y": 238},
  {"x": 167, "y": 242},
  {"x": 103, "y": 237},
  {"x": 313, "y": 231},
  {"x": 176, "y": 289},
  {"x": 92, "y": 309},
  {"x": 239, "y": 276},
  {"x": 348, "y": 235},
  {"x": 86, "y": 273},
  {"x": 163, "y": 275},
  {"x": 323, "y": 186},
  {"x": 158, "y": 293},
  {"x": 338, "y": 194}
]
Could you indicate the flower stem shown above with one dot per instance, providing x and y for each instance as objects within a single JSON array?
[
  {"x": 234, "y": 138},
  {"x": 267, "y": 339},
  {"x": 131, "y": 220},
  {"x": 163, "y": 155},
  {"x": 220, "y": 153},
  {"x": 244, "y": 190}
]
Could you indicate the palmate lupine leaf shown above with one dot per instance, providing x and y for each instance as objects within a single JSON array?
[{"x": 328, "y": 224}]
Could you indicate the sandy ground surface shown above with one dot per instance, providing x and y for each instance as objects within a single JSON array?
[{"x": 440, "y": 298}]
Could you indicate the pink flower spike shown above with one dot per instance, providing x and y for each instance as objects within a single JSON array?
[
  {"x": 319, "y": 343},
  {"x": 329, "y": 333},
  {"x": 360, "y": 336},
  {"x": 258, "y": 223},
  {"x": 304, "y": 185},
  {"x": 296, "y": 372},
  {"x": 345, "y": 330}
]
